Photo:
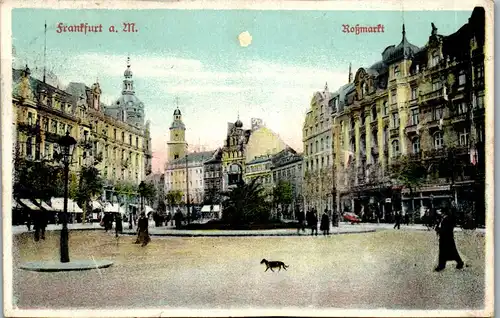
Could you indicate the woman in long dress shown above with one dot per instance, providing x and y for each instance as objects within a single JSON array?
[
  {"x": 142, "y": 230},
  {"x": 447, "y": 247}
]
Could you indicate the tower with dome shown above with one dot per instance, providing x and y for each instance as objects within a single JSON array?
[
  {"x": 128, "y": 107},
  {"x": 177, "y": 145}
]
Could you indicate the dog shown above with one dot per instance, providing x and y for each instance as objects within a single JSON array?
[{"x": 273, "y": 264}]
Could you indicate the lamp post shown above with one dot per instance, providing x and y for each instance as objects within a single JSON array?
[{"x": 67, "y": 144}]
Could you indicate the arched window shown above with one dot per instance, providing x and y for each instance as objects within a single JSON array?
[
  {"x": 438, "y": 140},
  {"x": 374, "y": 113},
  {"x": 395, "y": 148},
  {"x": 322, "y": 145},
  {"x": 396, "y": 71},
  {"x": 415, "y": 144}
]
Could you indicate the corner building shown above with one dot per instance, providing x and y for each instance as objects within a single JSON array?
[{"x": 423, "y": 103}]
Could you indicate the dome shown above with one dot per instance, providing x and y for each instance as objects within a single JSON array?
[
  {"x": 238, "y": 124},
  {"x": 403, "y": 51},
  {"x": 177, "y": 112},
  {"x": 128, "y": 101}
]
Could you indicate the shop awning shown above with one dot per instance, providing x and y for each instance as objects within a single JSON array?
[
  {"x": 149, "y": 209},
  {"x": 29, "y": 204},
  {"x": 58, "y": 205},
  {"x": 206, "y": 208},
  {"x": 45, "y": 206},
  {"x": 113, "y": 208},
  {"x": 96, "y": 205}
]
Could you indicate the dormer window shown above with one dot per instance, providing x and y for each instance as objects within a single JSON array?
[{"x": 396, "y": 71}]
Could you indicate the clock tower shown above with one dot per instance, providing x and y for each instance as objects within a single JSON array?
[{"x": 177, "y": 145}]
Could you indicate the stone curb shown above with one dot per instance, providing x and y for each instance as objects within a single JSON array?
[
  {"x": 51, "y": 266},
  {"x": 245, "y": 234}
]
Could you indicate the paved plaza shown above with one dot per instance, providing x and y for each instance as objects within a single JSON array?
[{"x": 383, "y": 269}]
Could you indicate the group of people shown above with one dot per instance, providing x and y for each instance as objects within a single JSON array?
[
  {"x": 40, "y": 221},
  {"x": 311, "y": 219}
]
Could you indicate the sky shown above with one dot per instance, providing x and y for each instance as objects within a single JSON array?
[{"x": 195, "y": 56}]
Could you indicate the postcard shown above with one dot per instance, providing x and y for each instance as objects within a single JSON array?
[{"x": 297, "y": 158}]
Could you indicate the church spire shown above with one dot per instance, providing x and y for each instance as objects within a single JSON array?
[{"x": 128, "y": 83}]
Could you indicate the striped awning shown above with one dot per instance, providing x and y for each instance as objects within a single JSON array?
[{"x": 29, "y": 204}]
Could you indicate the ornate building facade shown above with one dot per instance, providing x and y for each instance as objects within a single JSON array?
[
  {"x": 213, "y": 178},
  {"x": 43, "y": 113},
  {"x": 234, "y": 154},
  {"x": 317, "y": 189},
  {"x": 177, "y": 145},
  {"x": 422, "y": 104}
]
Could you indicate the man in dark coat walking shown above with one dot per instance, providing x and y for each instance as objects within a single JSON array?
[
  {"x": 397, "y": 218},
  {"x": 300, "y": 220},
  {"x": 325, "y": 223},
  {"x": 447, "y": 247},
  {"x": 312, "y": 221}
]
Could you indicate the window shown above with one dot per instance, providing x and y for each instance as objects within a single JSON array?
[
  {"x": 480, "y": 72},
  {"x": 123, "y": 136},
  {"x": 353, "y": 123},
  {"x": 414, "y": 116},
  {"x": 435, "y": 59},
  {"x": 61, "y": 128},
  {"x": 130, "y": 139},
  {"x": 317, "y": 146},
  {"x": 137, "y": 141},
  {"x": 322, "y": 145},
  {"x": 322, "y": 162},
  {"x": 462, "y": 108},
  {"x": 305, "y": 132},
  {"x": 395, "y": 120},
  {"x": 395, "y": 148},
  {"x": 46, "y": 124},
  {"x": 46, "y": 151},
  {"x": 438, "y": 140},
  {"x": 436, "y": 85},
  {"x": 437, "y": 113},
  {"x": 413, "y": 93},
  {"x": 385, "y": 135},
  {"x": 416, "y": 145},
  {"x": 114, "y": 134},
  {"x": 327, "y": 142},
  {"x": 362, "y": 119},
  {"x": 463, "y": 138},
  {"x": 479, "y": 101},
  {"x": 307, "y": 149},
  {"x": 461, "y": 78},
  {"x": 396, "y": 71},
  {"x": 328, "y": 161},
  {"x": 393, "y": 97},
  {"x": 30, "y": 118},
  {"x": 386, "y": 108},
  {"x": 29, "y": 150},
  {"x": 70, "y": 129},
  {"x": 374, "y": 138}
]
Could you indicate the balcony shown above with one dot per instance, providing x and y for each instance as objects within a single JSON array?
[
  {"x": 411, "y": 129},
  {"x": 29, "y": 129},
  {"x": 434, "y": 97},
  {"x": 435, "y": 153},
  {"x": 458, "y": 118},
  {"x": 413, "y": 102},
  {"x": 394, "y": 132}
]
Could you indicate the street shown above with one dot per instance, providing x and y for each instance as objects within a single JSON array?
[{"x": 384, "y": 269}]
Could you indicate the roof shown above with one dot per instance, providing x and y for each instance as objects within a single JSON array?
[
  {"x": 259, "y": 160},
  {"x": 404, "y": 50},
  {"x": 194, "y": 157}
]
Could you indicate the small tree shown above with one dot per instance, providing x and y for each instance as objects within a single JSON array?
[
  {"x": 283, "y": 194},
  {"x": 174, "y": 198},
  {"x": 91, "y": 185},
  {"x": 410, "y": 173},
  {"x": 147, "y": 191}
]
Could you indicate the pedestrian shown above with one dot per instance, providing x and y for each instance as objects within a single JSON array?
[
  {"x": 28, "y": 220},
  {"x": 300, "y": 219},
  {"x": 447, "y": 247},
  {"x": 118, "y": 224},
  {"x": 325, "y": 223},
  {"x": 178, "y": 218},
  {"x": 397, "y": 218},
  {"x": 312, "y": 221},
  {"x": 407, "y": 218},
  {"x": 142, "y": 230}
]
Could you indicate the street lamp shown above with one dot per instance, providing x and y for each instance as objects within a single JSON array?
[{"x": 66, "y": 144}]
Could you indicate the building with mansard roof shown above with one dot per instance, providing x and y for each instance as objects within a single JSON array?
[
  {"x": 417, "y": 104},
  {"x": 43, "y": 114}
]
